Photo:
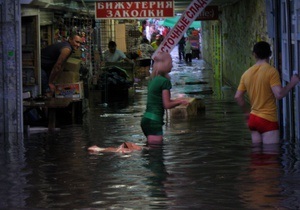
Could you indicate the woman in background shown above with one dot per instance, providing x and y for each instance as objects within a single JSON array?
[{"x": 145, "y": 52}]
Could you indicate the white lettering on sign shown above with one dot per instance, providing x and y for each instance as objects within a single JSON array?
[
  {"x": 186, "y": 19},
  {"x": 133, "y": 9},
  {"x": 133, "y": 13},
  {"x": 169, "y": 4},
  {"x": 144, "y": 5}
]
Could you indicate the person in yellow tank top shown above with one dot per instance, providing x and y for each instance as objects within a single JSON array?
[{"x": 263, "y": 85}]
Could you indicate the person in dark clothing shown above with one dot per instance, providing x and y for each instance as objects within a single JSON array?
[
  {"x": 145, "y": 52},
  {"x": 53, "y": 59},
  {"x": 181, "y": 45},
  {"x": 188, "y": 51}
]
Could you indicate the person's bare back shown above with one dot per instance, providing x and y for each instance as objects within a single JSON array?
[{"x": 126, "y": 147}]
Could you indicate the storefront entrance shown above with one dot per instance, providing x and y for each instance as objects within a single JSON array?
[{"x": 290, "y": 48}]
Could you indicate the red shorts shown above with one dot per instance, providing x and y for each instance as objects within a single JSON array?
[{"x": 261, "y": 125}]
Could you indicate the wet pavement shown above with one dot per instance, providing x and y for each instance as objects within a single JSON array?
[{"x": 207, "y": 161}]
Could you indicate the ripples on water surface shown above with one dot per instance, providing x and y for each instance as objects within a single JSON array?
[{"x": 206, "y": 162}]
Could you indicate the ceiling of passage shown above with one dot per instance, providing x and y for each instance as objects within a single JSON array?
[{"x": 181, "y": 5}]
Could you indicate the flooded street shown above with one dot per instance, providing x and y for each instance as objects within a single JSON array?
[{"x": 207, "y": 161}]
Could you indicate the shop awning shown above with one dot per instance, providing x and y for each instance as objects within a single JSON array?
[{"x": 171, "y": 22}]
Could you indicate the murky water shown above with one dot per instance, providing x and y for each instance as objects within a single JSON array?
[{"x": 206, "y": 162}]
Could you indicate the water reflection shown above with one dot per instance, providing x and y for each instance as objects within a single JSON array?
[
  {"x": 207, "y": 161},
  {"x": 291, "y": 175},
  {"x": 157, "y": 176},
  {"x": 12, "y": 162},
  {"x": 259, "y": 184}
]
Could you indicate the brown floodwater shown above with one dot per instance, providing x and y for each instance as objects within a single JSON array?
[{"x": 206, "y": 162}]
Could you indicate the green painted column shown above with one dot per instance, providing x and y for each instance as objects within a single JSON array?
[{"x": 217, "y": 52}]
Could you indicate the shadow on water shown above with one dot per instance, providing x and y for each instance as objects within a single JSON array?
[{"x": 207, "y": 161}]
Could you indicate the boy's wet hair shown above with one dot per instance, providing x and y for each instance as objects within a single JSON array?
[
  {"x": 262, "y": 50},
  {"x": 112, "y": 44}
]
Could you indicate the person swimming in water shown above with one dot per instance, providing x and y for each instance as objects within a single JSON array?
[{"x": 126, "y": 147}]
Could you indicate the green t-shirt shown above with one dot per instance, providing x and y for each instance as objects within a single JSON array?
[{"x": 154, "y": 97}]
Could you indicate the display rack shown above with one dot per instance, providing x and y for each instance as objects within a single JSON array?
[{"x": 29, "y": 54}]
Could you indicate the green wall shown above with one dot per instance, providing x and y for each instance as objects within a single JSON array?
[{"x": 241, "y": 25}]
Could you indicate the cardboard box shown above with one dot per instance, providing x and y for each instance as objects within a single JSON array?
[
  {"x": 77, "y": 54},
  {"x": 192, "y": 109},
  {"x": 67, "y": 77},
  {"x": 121, "y": 37},
  {"x": 71, "y": 90},
  {"x": 72, "y": 64}
]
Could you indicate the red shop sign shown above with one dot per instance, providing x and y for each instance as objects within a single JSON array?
[
  {"x": 209, "y": 13},
  {"x": 134, "y": 9}
]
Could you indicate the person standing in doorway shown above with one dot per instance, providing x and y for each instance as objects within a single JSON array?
[
  {"x": 53, "y": 59},
  {"x": 158, "y": 99},
  {"x": 263, "y": 86}
]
